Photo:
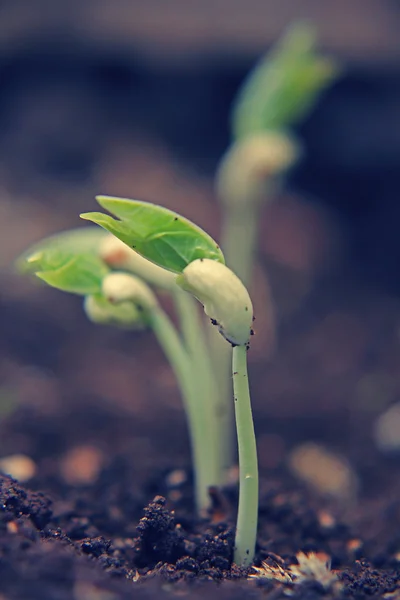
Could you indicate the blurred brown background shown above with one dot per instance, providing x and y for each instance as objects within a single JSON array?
[{"x": 132, "y": 98}]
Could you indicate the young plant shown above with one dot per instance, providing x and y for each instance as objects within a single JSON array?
[
  {"x": 118, "y": 256},
  {"x": 171, "y": 241},
  {"x": 227, "y": 302},
  {"x": 178, "y": 247},
  {"x": 76, "y": 262},
  {"x": 278, "y": 93}
]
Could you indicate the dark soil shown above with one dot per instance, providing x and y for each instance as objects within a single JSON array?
[{"x": 118, "y": 537}]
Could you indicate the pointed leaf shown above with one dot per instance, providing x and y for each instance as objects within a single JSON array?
[
  {"x": 70, "y": 272},
  {"x": 83, "y": 240},
  {"x": 283, "y": 88},
  {"x": 157, "y": 233}
]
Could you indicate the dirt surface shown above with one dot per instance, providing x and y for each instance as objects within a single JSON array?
[
  {"x": 97, "y": 541},
  {"x": 112, "y": 514}
]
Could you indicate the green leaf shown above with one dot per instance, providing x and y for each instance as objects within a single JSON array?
[
  {"x": 78, "y": 241},
  {"x": 68, "y": 271},
  {"x": 157, "y": 233},
  {"x": 284, "y": 87},
  {"x": 68, "y": 261}
]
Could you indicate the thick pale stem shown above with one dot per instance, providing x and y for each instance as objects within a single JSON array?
[
  {"x": 227, "y": 302},
  {"x": 238, "y": 240},
  {"x": 203, "y": 378},
  {"x": 221, "y": 359},
  {"x": 205, "y": 471},
  {"x": 121, "y": 287},
  {"x": 246, "y": 527}
]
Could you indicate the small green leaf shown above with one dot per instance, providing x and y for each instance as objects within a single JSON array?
[
  {"x": 283, "y": 88},
  {"x": 68, "y": 261},
  {"x": 160, "y": 235},
  {"x": 78, "y": 241},
  {"x": 67, "y": 271}
]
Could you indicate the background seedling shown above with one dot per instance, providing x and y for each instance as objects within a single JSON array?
[
  {"x": 70, "y": 264},
  {"x": 278, "y": 93}
]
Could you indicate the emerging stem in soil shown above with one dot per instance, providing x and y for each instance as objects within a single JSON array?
[
  {"x": 203, "y": 378},
  {"x": 122, "y": 287},
  {"x": 246, "y": 526},
  {"x": 206, "y": 471}
]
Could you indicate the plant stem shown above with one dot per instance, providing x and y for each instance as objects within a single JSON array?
[
  {"x": 221, "y": 358},
  {"x": 239, "y": 239},
  {"x": 204, "y": 467},
  {"x": 204, "y": 380},
  {"x": 246, "y": 526}
]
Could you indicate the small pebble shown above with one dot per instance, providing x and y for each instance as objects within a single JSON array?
[
  {"x": 354, "y": 545},
  {"x": 12, "y": 527},
  {"x": 176, "y": 478},
  {"x": 84, "y": 590},
  {"x": 326, "y": 520},
  {"x": 82, "y": 465},
  {"x": 20, "y": 467},
  {"x": 328, "y": 473},
  {"x": 387, "y": 429}
]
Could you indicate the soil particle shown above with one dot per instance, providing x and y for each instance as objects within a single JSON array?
[
  {"x": 160, "y": 538},
  {"x": 363, "y": 581},
  {"x": 96, "y": 546},
  {"x": 14, "y": 502},
  {"x": 217, "y": 548}
]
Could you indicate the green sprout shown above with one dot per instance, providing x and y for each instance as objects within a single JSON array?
[
  {"x": 227, "y": 302},
  {"x": 120, "y": 297},
  {"x": 286, "y": 84},
  {"x": 279, "y": 92},
  {"x": 115, "y": 295},
  {"x": 199, "y": 263}
]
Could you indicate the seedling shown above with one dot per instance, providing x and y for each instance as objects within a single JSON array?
[
  {"x": 76, "y": 261},
  {"x": 278, "y": 93},
  {"x": 176, "y": 246},
  {"x": 227, "y": 302}
]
